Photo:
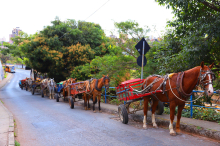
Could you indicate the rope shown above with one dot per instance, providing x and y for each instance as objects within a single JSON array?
[{"x": 180, "y": 98}]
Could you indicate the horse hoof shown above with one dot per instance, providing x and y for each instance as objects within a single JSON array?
[
  {"x": 89, "y": 108},
  {"x": 173, "y": 134},
  {"x": 145, "y": 128},
  {"x": 94, "y": 111},
  {"x": 100, "y": 111},
  {"x": 155, "y": 127}
]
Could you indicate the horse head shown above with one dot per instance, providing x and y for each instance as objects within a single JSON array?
[
  {"x": 106, "y": 81},
  {"x": 206, "y": 77},
  {"x": 71, "y": 80}
]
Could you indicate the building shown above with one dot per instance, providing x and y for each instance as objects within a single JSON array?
[{"x": 15, "y": 32}]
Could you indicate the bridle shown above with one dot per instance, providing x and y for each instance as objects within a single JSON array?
[
  {"x": 106, "y": 78},
  {"x": 103, "y": 80},
  {"x": 202, "y": 76}
]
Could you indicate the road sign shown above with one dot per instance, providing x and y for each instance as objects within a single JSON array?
[
  {"x": 139, "y": 61},
  {"x": 139, "y": 46}
]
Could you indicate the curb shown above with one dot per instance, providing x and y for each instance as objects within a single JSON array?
[
  {"x": 164, "y": 122},
  {"x": 4, "y": 81},
  {"x": 11, "y": 139}
]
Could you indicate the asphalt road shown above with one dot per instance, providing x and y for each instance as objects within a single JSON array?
[{"x": 44, "y": 122}]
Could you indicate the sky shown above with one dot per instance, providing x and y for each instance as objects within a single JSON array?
[{"x": 31, "y": 16}]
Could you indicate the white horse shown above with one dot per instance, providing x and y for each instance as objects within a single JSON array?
[{"x": 50, "y": 86}]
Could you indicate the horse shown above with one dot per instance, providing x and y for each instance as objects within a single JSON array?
[
  {"x": 65, "y": 86},
  {"x": 50, "y": 86},
  {"x": 176, "y": 89},
  {"x": 28, "y": 84},
  {"x": 94, "y": 89}
]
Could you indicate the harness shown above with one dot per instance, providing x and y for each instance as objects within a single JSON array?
[
  {"x": 96, "y": 84},
  {"x": 179, "y": 83}
]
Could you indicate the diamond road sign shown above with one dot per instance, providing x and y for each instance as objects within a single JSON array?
[{"x": 139, "y": 46}]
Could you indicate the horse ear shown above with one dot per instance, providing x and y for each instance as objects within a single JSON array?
[
  {"x": 210, "y": 66},
  {"x": 103, "y": 75},
  {"x": 202, "y": 64}
]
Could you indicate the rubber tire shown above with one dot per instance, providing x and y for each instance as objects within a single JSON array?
[
  {"x": 122, "y": 111},
  {"x": 160, "y": 108},
  {"x": 72, "y": 103},
  {"x": 32, "y": 91},
  {"x": 21, "y": 87},
  {"x": 42, "y": 93},
  {"x": 57, "y": 97}
]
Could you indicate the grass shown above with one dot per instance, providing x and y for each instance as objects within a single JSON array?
[
  {"x": 15, "y": 125},
  {"x": 2, "y": 102},
  {"x": 198, "y": 127},
  {"x": 17, "y": 143}
]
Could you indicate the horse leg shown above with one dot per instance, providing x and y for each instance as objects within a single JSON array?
[
  {"x": 146, "y": 99},
  {"x": 94, "y": 95},
  {"x": 88, "y": 97},
  {"x": 172, "y": 112},
  {"x": 154, "y": 107},
  {"x": 180, "y": 108},
  {"x": 99, "y": 100},
  {"x": 85, "y": 101}
]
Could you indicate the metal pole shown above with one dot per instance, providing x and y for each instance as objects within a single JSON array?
[
  {"x": 191, "y": 107},
  {"x": 142, "y": 61}
]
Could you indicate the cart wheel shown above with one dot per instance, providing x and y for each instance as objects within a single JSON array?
[
  {"x": 32, "y": 91},
  {"x": 21, "y": 87},
  {"x": 57, "y": 97},
  {"x": 72, "y": 103},
  {"x": 123, "y": 114},
  {"x": 42, "y": 93},
  {"x": 160, "y": 108}
]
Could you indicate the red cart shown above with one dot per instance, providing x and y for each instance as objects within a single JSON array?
[
  {"x": 130, "y": 91},
  {"x": 75, "y": 91}
]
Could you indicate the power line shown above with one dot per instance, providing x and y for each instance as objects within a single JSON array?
[{"x": 88, "y": 17}]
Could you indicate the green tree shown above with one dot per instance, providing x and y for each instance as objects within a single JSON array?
[
  {"x": 194, "y": 34},
  {"x": 120, "y": 62},
  {"x": 59, "y": 48}
]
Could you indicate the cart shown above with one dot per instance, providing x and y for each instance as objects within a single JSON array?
[
  {"x": 36, "y": 86},
  {"x": 75, "y": 90},
  {"x": 22, "y": 84},
  {"x": 59, "y": 90},
  {"x": 130, "y": 91}
]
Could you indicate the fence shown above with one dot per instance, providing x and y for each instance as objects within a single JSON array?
[
  {"x": 191, "y": 104},
  {"x": 108, "y": 95}
]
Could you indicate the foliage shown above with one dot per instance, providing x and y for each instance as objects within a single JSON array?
[
  {"x": 63, "y": 47},
  {"x": 120, "y": 62},
  {"x": 200, "y": 113},
  {"x": 194, "y": 34}
]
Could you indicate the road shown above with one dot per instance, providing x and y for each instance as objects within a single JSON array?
[{"x": 44, "y": 122}]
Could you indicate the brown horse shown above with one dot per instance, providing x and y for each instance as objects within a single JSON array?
[
  {"x": 65, "y": 86},
  {"x": 177, "y": 88},
  {"x": 94, "y": 89}
]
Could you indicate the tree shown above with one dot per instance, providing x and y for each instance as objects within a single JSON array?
[
  {"x": 14, "y": 49},
  {"x": 121, "y": 59},
  {"x": 59, "y": 48},
  {"x": 194, "y": 34}
]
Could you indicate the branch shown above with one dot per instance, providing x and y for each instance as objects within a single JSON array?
[{"x": 211, "y": 6}]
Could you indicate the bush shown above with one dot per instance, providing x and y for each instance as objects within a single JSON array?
[{"x": 200, "y": 113}]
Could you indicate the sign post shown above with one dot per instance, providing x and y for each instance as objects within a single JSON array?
[
  {"x": 142, "y": 67},
  {"x": 142, "y": 47}
]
